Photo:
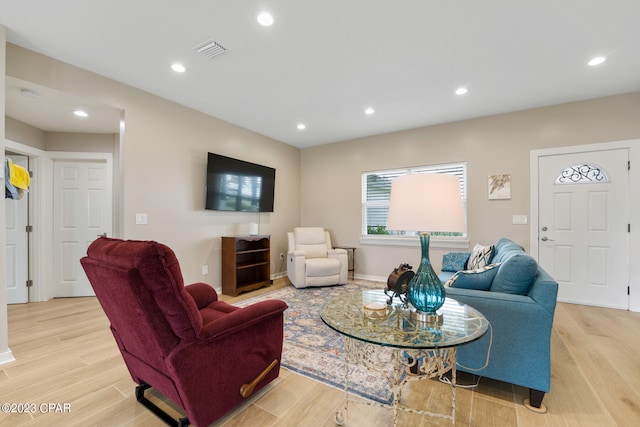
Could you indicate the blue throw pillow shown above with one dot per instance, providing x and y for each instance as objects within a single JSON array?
[
  {"x": 515, "y": 275},
  {"x": 454, "y": 261},
  {"x": 479, "y": 279}
]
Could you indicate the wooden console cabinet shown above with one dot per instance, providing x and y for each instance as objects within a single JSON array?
[{"x": 246, "y": 263}]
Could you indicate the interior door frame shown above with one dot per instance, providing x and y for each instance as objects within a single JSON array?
[
  {"x": 633, "y": 145},
  {"x": 39, "y": 245},
  {"x": 41, "y": 209}
]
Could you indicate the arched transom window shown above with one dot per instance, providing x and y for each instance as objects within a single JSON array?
[{"x": 583, "y": 173}]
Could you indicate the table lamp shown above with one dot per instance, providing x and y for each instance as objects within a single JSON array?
[{"x": 426, "y": 203}]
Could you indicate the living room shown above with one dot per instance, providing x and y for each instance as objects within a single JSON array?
[{"x": 159, "y": 165}]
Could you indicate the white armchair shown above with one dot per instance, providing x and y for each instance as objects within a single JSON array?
[{"x": 312, "y": 261}]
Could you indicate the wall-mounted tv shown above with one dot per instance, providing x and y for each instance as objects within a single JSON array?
[{"x": 236, "y": 185}]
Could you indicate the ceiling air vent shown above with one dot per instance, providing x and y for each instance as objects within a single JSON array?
[{"x": 210, "y": 48}]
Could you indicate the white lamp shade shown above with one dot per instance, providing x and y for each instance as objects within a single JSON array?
[{"x": 426, "y": 202}]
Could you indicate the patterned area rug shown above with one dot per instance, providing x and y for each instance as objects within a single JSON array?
[{"x": 313, "y": 349}]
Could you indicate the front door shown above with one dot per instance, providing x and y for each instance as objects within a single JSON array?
[
  {"x": 82, "y": 212},
  {"x": 583, "y": 236}
]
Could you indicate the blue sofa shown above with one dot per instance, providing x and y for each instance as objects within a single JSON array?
[{"x": 519, "y": 301}]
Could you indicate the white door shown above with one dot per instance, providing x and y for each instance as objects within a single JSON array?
[
  {"x": 82, "y": 212},
  {"x": 583, "y": 237},
  {"x": 17, "y": 240}
]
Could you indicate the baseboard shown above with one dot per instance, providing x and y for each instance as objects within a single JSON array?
[
  {"x": 283, "y": 276},
  {"x": 7, "y": 357},
  {"x": 370, "y": 278},
  {"x": 277, "y": 276}
]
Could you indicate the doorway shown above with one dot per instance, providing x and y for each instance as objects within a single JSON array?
[
  {"x": 582, "y": 210},
  {"x": 42, "y": 251},
  {"x": 45, "y": 122},
  {"x": 17, "y": 241},
  {"x": 82, "y": 211},
  {"x": 583, "y": 222}
]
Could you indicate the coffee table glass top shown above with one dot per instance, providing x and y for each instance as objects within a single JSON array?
[{"x": 394, "y": 327}]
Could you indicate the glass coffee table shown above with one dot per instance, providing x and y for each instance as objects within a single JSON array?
[{"x": 384, "y": 339}]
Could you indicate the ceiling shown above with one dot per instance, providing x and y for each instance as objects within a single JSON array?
[
  {"x": 52, "y": 110},
  {"x": 324, "y": 63}
]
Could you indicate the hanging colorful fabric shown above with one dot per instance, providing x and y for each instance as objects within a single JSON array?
[
  {"x": 10, "y": 190},
  {"x": 19, "y": 176}
]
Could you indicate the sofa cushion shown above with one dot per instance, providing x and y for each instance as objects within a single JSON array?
[
  {"x": 480, "y": 256},
  {"x": 515, "y": 275},
  {"x": 479, "y": 279},
  {"x": 318, "y": 267},
  {"x": 505, "y": 248},
  {"x": 454, "y": 261}
]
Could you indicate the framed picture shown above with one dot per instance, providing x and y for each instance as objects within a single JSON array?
[{"x": 499, "y": 187}]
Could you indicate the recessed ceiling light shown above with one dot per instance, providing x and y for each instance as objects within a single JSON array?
[
  {"x": 461, "y": 90},
  {"x": 597, "y": 61},
  {"x": 369, "y": 111},
  {"x": 178, "y": 68},
  {"x": 265, "y": 19},
  {"x": 81, "y": 113},
  {"x": 301, "y": 126}
]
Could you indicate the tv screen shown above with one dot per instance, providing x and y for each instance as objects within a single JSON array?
[{"x": 236, "y": 185}]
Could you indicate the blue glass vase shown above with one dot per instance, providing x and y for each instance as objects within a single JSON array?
[{"x": 425, "y": 291}]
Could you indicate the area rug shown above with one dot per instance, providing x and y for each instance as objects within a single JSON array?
[{"x": 313, "y": 349}]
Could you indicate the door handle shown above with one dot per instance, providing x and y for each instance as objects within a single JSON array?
[
  {"x": 546, "y": 239},
  {"x": 102, "y": 235}
]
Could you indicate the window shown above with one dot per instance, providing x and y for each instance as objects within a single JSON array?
[
  {"x": 376, "y": 189},
  {"x": 581, "y": 174}
]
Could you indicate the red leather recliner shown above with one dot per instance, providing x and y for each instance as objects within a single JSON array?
[{"x": 205, "y": 355}]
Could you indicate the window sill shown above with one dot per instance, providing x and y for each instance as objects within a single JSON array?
[{"x": 434, "y": 242}]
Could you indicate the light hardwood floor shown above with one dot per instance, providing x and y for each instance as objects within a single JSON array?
[{"x": 66, "y": 355}]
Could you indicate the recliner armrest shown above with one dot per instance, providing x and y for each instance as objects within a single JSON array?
[
  {"x": 202, "y": 294},
  {"x": 336, "y": 252},
  {"x": 296, "y": 268},
  {"x": 243, "y": 318}
]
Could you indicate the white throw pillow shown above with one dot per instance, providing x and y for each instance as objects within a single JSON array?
[{"x": 480, "y": 257}]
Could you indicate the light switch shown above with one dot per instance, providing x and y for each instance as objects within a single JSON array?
[
  {"x": 141, "y": 218},
  {"x": 520, "y": 219}
]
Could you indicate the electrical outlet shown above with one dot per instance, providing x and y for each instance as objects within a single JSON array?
[
  {"x": 141, "y": 218},
  {"x": 205, "y": 270},
  {"x": 281, "y": 255}
]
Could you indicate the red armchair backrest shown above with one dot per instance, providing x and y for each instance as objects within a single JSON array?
[{"x": 140, "y": 288}]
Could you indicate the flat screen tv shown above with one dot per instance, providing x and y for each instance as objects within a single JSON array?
[{"x": 236, "y": 185}]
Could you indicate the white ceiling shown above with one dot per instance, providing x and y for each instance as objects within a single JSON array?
[
  {"x": 52, "y": 110},
  {"x": 323, "y": 62}
]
